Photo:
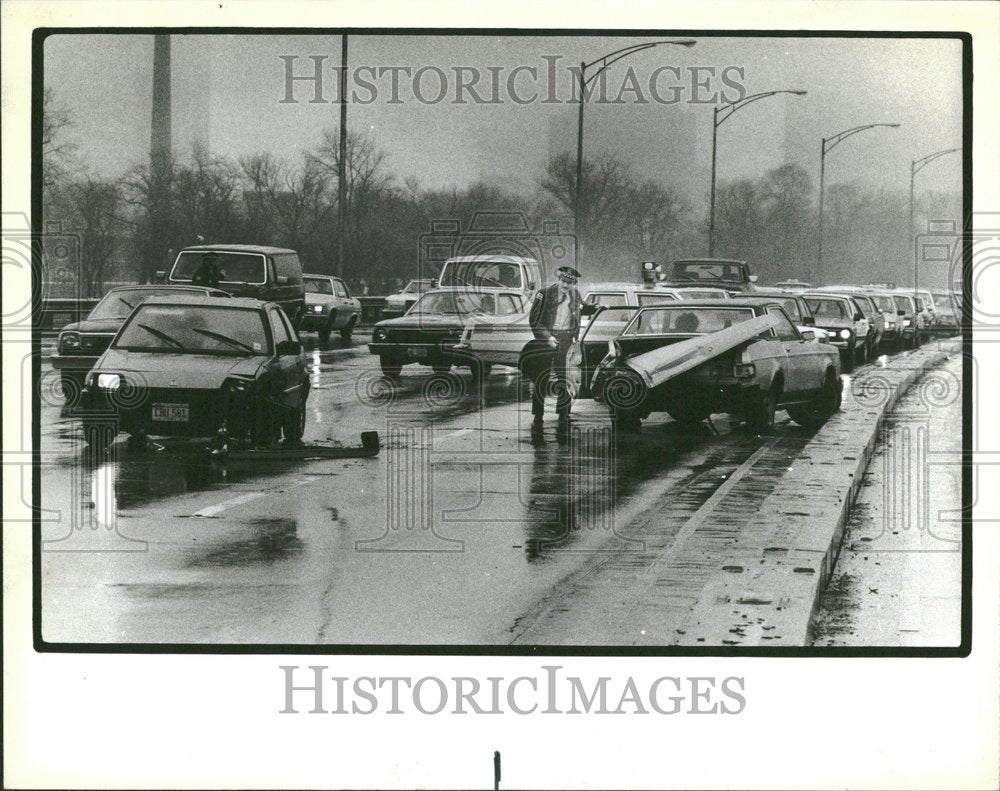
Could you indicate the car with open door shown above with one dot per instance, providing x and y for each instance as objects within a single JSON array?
[
  {"x": 199, "y": 368},
  {"x": 695, "y": 359}
]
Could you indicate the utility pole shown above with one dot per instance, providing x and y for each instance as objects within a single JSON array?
[
  {"x": 342, "y": 157},
  {"x": 160, "y": 159}
]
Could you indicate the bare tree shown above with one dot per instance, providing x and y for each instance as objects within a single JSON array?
[{"x": 97, "y": 205}]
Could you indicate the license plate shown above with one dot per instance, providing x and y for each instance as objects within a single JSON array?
[
  {"x": 416, "y": 351},
  {"x": 170, "y": 413}
]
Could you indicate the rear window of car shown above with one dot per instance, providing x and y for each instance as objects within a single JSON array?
[
  {"x": 195, "y": 329},
  {"x": 481, "y": 274},
  {"x": 236, "y": 267},
  {"x": 903, "y": 303}
]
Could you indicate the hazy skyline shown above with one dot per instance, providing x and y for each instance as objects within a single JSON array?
[{"x": 228, "y": 90}]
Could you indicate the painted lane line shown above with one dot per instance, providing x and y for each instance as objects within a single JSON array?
[{"x": 225, "y": 505}]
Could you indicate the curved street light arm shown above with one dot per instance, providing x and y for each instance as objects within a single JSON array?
[
  {"x": 829, "y": 143},
  {"x": 624, "y": 52},
  {"x": 721, "y": 115},
  {"x": 919, "y": 164}
]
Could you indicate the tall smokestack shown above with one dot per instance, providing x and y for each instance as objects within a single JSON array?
[{"x": 160, "y": 156}]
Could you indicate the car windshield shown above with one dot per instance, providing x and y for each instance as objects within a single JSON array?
[
  {"x": 236, "y": 267},
  {"x": 903, "y": 303},
  {"x": 943, "y": 301},
  {"x": 118, "y": 304},
  {"x": 686, "y": 321},
  {"x": 706, "y": 270},
  {"x": 455, "y": 303},
  {"x": 195, "y": 329},
  {"x": 416, "y": 287},
  {"x": 884, "y": 303},
  {"x": 827, "y": 308},
  {"x": 317, "y": 285},
  {"x": 481, "y": 273}
]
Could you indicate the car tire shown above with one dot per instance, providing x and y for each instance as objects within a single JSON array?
[
  {"x": 390, "y": 367},
  {"x": 294, "y": 425},
  {"x": 479, "y": 370},
  {"x": 815, "y": 413},
  {"x": 71, "y": 385},
  {"x": 626, "y": 420},
  {"x": 688, "y": 412},
  {"x": 760, "y": 411},
  {"x": 345, "y": 332},
  {"x": 99, "y": 434},
  {"x": 266, "y": 425}
]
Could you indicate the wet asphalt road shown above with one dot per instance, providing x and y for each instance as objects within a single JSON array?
[{"x": 462, "y": 531}]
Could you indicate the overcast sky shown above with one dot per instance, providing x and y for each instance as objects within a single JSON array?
[{"x": 228, "y": 91}]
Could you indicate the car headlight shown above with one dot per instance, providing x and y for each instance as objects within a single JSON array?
[
  {"x": 744, "y": 370},
  {"x": 109, "y": 381},
  {"x": 906, "y": 322},
  {"x": 845, "y": 334},
  {"x": 379, "y": 335},
  {"x": 237, "y": 385},
  {"x": 68, "y": 340}
]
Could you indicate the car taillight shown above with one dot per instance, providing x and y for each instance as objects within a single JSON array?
[{"x": 744, "y": 370}]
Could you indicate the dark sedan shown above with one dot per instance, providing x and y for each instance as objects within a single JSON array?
[
  {"x": 82, "y": 342},
  {"x": 198, "y": 368}
]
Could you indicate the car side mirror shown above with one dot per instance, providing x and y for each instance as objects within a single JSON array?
[
  {"x": 753, "y": 278},
  {"x": 808, "y": 335},
  {"x": 809, "y": 321},
  {"x": 289, "y": 347},
  {"x": 859, "y": 316},
  {"x": 161, "y": 275}
]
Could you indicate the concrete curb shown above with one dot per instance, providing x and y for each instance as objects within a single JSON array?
[{"x": 767, "y": 587}]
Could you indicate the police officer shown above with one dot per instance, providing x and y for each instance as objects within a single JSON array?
[{"x": 555, "y": 322}]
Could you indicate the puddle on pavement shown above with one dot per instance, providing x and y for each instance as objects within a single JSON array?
[{"x": 261, "y": 541}]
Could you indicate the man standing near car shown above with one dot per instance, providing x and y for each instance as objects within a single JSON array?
[{"x": 555, "y": 322}]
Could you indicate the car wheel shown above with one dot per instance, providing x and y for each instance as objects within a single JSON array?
[
  {"x": 688, "y": 412},
  {"x": 815, "y": 413},
  {"x": 390, "y": 368},
  {"x": 345, "y": 332},
  {"x": 266, "y": 425},
  {"x": 71, "y": 385},
  {"x": 479, "y": 370},
  {"x": 626, "y": 420},
  {"x": 99, "y": 434},
  {"x": 295, "y": 424},
  {"x": 760, "y": 413}
]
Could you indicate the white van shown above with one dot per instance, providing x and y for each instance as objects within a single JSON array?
[{"x": 492, "y": 271}]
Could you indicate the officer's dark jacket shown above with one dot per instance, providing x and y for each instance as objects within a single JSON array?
[{"x": 544, "y": 306}]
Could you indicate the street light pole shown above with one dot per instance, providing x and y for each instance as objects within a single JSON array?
[
  {"x": 583, "y": 83},
  {"x": 719, "y": 117},
  {"x": 829, "y": 143},
  {"x": 915, "y": 167}
]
